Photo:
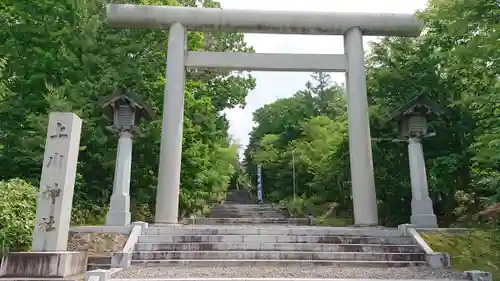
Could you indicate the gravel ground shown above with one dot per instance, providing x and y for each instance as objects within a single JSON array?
[{"x": 287, "y": 272}]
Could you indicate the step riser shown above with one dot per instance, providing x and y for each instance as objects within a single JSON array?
[
  {"x": 242, "y": 210},
  {"x": 300, "y": 247},
  {"x": 272, "y": 239},
  {"x": 98, "y": 266},
  {"x": 227, "y": 205},
  {"x": 212, "y": 222},
  {"x": 207, "y": 263},
  {"x": 278, "y": 230},
  {"x": 257, "y": 219},
  {"x": 214, "y": 255},
  {"x": 246, "y": 208},
  {"x": 254, "y": 218},
  {"x": 252, "y": 205},
  {"x": 99, "y": 260},
  {"x": 227, "y": 214}
]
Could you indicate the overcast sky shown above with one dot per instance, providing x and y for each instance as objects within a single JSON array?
[{"x": 274, "y": 85}]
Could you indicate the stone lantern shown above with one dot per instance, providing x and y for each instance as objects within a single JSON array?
[
  {"x": 125, "y": 109},
  {"x": 413, "y": 127}
]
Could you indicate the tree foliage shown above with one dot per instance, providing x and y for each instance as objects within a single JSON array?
[
  {"x": 17, "y": 214},
  {"x": 61, "y": 56},
  {"x": 455, "y": 63}
]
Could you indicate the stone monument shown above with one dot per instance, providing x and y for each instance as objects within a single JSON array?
[{"x": 49, "y": 256}]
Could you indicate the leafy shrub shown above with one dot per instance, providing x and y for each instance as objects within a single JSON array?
[
  {"x": 297, "y": 207},
  {"x": 17, "y": 214},
  {"x": 88, "y": 214},
  {"x": 325, "y": 213}
]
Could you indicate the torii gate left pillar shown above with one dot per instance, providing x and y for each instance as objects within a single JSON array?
[{"x": 351, "y": 25}]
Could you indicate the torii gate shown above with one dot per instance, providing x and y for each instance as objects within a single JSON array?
[{"x": 351, "y": 25}]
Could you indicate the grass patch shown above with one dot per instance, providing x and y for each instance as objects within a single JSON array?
[
  {"x": 476, "y": 250},
  {"x": 334, "y": 221}
]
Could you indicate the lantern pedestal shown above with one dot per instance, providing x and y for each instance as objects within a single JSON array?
[
  {"x": 421, "y": 204},
  {"x": 119, "y": 208}
]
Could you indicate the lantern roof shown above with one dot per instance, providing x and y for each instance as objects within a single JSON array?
[
  {"x": 122, "y": 94},
  {"x": 419, "y": 105}
]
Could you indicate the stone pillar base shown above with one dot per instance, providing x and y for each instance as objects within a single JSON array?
[
  {"x": 117, "y": 218},
  {"x": 43, "y": 264},
  {"x": 424, "y": 220}
]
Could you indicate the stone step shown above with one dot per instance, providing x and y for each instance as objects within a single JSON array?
[
  {"x": 273, "y": 230},
  {"x": 77, "y": 278},
  {"x": 249, "y": 206},
  {"x": 255, "y": 205},
  {"x": 247, "y": 211},
  {"x": 98, "y": 263},
  {"x": 238, "y": 196},
  {"x": 244, "y": 208},
  {"x": 275, "y": 255},
  {"x": 301, "y": 247},
  {"x": 214, "y": 279},
  {"x": 270, "y": 279},
  {"x": 92, "y": 266},
  {"x": 274, "y": 239},
  {"x": 251, "y": 220},
  {"x": 234, "y": 214},
  {"x": 255, "y": 218},
  {"x": 99, "y": 259},
  {"x": 241, "y": 262}
]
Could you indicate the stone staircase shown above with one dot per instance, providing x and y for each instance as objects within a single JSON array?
[
  {"x": 240, "y": 196},
  {"x": 231, "y": 214},
  {"x": 238, "y": 208},
  {"x": 229, "y": 210},
  {"x": 241, "y": 233},
  {"x": 214, "y": 245}
]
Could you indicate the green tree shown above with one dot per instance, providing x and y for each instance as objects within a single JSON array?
[
  {"x": 60, "y": 56},
  {"x": 455, "y": 63}
]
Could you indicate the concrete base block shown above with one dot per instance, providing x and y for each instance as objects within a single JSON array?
[
  {"x": 118, "y": 218},
  {"x": 424, "y": 220},
  {"x": 478, "y": 275},
  {"x": 403, "y": 228},
  {"x": 100, "y": 274},
  {"x": 121, "y": 260},
  {"x": 43, "y": 264},
  {"x": 439, "y": 260}
]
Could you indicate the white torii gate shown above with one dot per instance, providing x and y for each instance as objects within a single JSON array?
[{"x": 351, "y": 25}]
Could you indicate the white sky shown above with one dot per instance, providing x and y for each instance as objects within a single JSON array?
[{"x": 274, "y": 85}]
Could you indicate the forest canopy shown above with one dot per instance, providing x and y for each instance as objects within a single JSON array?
[
  {"x": 61, "y": 56},
  {"x": 455, "y": 63}
]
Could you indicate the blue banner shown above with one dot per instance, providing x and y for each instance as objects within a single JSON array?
[{"x": 259, "y": 183}]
